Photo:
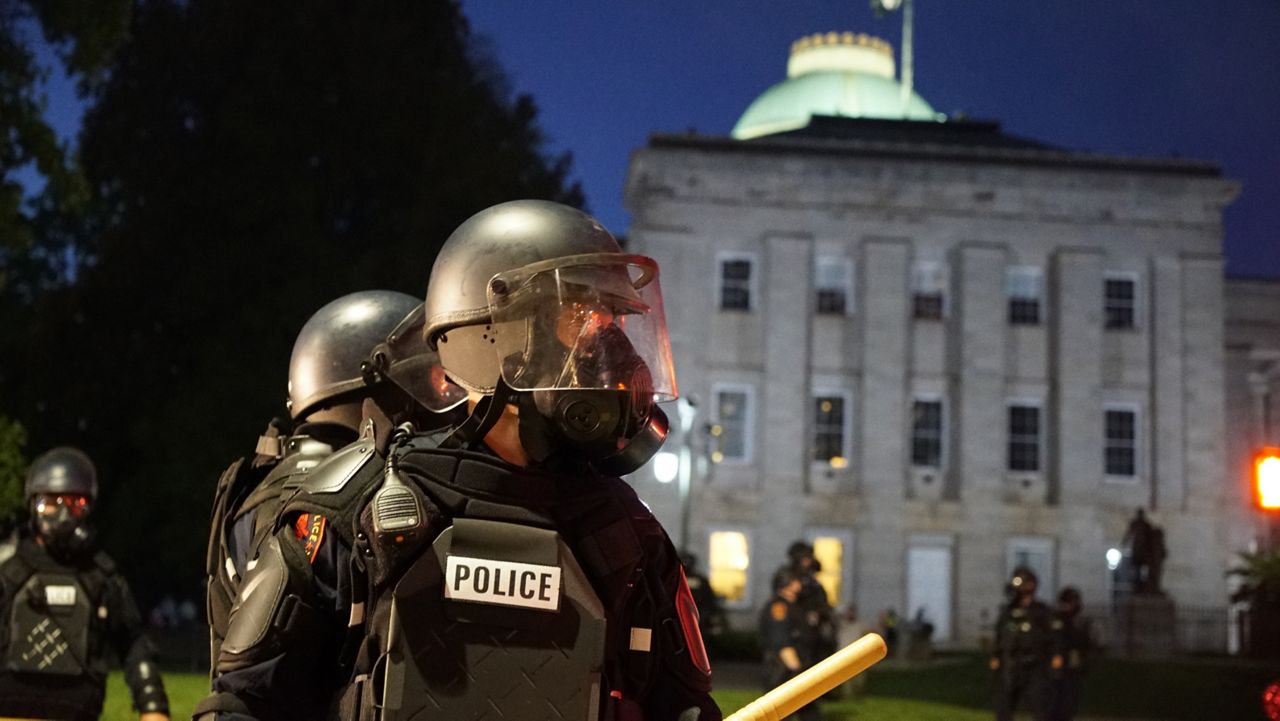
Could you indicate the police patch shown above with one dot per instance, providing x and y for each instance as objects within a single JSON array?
[
  {"x": 60, "y": 595},
  {"x": 505, "y": 583},
  {"x": 778, "y": 610}
]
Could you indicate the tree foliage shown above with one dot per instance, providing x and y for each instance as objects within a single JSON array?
[
  {"x": 13, "y": 467},
  {"x": 83, "y": 36},
  {"x": 249, "y": 162}
]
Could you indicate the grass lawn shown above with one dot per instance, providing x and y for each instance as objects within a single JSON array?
[{"x": 957, "y": 690}]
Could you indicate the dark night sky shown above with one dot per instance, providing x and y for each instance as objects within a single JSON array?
[{"x": 1190, "y": 78}]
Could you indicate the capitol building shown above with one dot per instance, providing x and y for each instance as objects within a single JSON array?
[{"x": 937, "y": 351}]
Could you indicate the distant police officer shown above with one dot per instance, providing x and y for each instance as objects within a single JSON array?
[
  {"x": 710, "y": 612},
  {"x": 64, "y": 608},
  {"x": 329, "y": 383},
  {"x": 784, "y": 636},
  {"x": 1072, "y": 641},
  {"x": 1022, "y": 647},
  {"x": 819, "y": 617},
  {"x": 502, "y": 568}
]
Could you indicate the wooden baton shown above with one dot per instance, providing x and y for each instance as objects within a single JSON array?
[{"x": 817, "y": 680}]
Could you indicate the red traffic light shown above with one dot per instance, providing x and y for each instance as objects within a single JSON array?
[
  {"x": 1271, "y": 701},
  {"x": 1266, "y": 473}
]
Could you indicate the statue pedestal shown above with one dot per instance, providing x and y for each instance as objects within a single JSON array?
[{"x": 1144, "y": 625}]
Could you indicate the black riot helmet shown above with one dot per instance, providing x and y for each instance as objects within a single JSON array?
[
  {"x": 62, "y": 471},
  {"x": 330, "y": 354},
  {"x": 1022, "y": 582},
  {"x": 534, "y": 303},
  {"x": 61, "y": 488}
]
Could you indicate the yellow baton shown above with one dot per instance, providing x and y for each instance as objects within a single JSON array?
[{"x": 821, "y": 678}]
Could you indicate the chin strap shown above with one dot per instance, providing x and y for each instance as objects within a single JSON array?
[{"x": 470, "y": 433}]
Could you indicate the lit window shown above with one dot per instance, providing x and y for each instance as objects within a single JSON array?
[
  {"x": 1024, "y": 438},
  {"x": 926, "y": 433},
  {"x": 1121, "y": 302},
  {"x": 731, "y": 424},
  {"x": 828, "y": 551},
  {"x": 831, "y": 283},
  {"x": 829, "y": 430},
  {"x": 735, "y": 284},
  {"x": 1121, "y": 451},
  {"x": 727, "y": 567},
  {"x": 1023, "y": 286},
  {"x": 928, "y": 291}
]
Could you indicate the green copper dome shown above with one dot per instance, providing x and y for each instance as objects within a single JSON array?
[{"x": 838, "y": 74}]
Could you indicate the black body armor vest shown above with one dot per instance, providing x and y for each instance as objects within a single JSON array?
[
  {"x": 522, "y": 594},
  {"x": 50, "y": 614}
]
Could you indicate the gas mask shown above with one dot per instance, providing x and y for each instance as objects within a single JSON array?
[
  {"x": 615, "y": 429},
  {"x": 582, "y": 352},
  {"x": 61, "y": 523}
]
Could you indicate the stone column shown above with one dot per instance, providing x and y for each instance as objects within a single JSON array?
[
  {"x": 784, "y": 399},
  {"x": 1168, "y": 415},
  {"x": 886, "y": 347},
  {"x": 979, "y": 333}
]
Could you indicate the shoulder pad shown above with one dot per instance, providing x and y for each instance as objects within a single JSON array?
[
  {"x": 104, "y": 562},
  {"x": 332, "y": 475}
]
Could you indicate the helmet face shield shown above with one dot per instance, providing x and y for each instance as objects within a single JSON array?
[
  {"x": 583, "y": 322},
  {"x": 406, "y": 360}
]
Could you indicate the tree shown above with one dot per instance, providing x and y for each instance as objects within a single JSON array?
[
  {"x": 83, "y": 35},
  {"x": 250, "y": 162},
  {"x": 13, "y": 468}
]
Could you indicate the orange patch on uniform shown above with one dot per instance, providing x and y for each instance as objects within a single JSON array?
[
  {"x": 778, "y": 610},
  {"x": 309, "y": 528}
]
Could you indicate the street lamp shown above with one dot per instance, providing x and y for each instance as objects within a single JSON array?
[
  {"x": 686, "y": 409},
  {"x": 666, "y": 466}
]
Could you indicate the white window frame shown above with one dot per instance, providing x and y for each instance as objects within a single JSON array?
[
  {"x": 845, "y": 263},
  {"x": 1138, "y": 455},
  {"x": 1038, "y": 404},
  {"x": 943, "y": 424},
  {"x": 1047, "y": 586},
  {"x": 847, "y": 585},
  {"x": 749, "y": 419},
  {"x": 748, "y": 592},
  {"x": 846, "y": 422},
  {"x": 940, "y": 273},
  {"x": 753, "y": 283},
  {"x": 1026, "y": 271},
  {"x": 1133, "y": 277}
]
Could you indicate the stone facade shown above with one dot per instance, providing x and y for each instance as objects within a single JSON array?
[{"x": 905, "y": 217}]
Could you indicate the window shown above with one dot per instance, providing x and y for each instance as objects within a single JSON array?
[
  {"x": 1024, "y": 438},
  {"x": 926, "y": 433},
  {"x": 830, "y": 429},
  {"x": 1121, "y": 449},
  {"x": 828, "y": 551},
  {"x": 727, "y": 565},
  {"x": 928, "y": 291},
  {"x": 735, "y": 283},
  {"x": 731, "y": 423},
  {"x": 1121, "y": 302},
  {"x": 831, "y": 283},
  {"x": 1022, "y": 286}
]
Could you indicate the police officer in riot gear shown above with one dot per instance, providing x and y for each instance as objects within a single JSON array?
[
  {"x": 785, "y": 636},
  {"x": 820, "y": 626},
  {"x": 502, "y": 565},
  {"x": 64, "y": 608},
  {"x": 329, "y": 384},
  {"x": 1022, "y": 649},
  {"x": 1072, "y": 643}
]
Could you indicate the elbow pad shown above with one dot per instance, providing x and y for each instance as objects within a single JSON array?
[{"x": 143, "y": 679}]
